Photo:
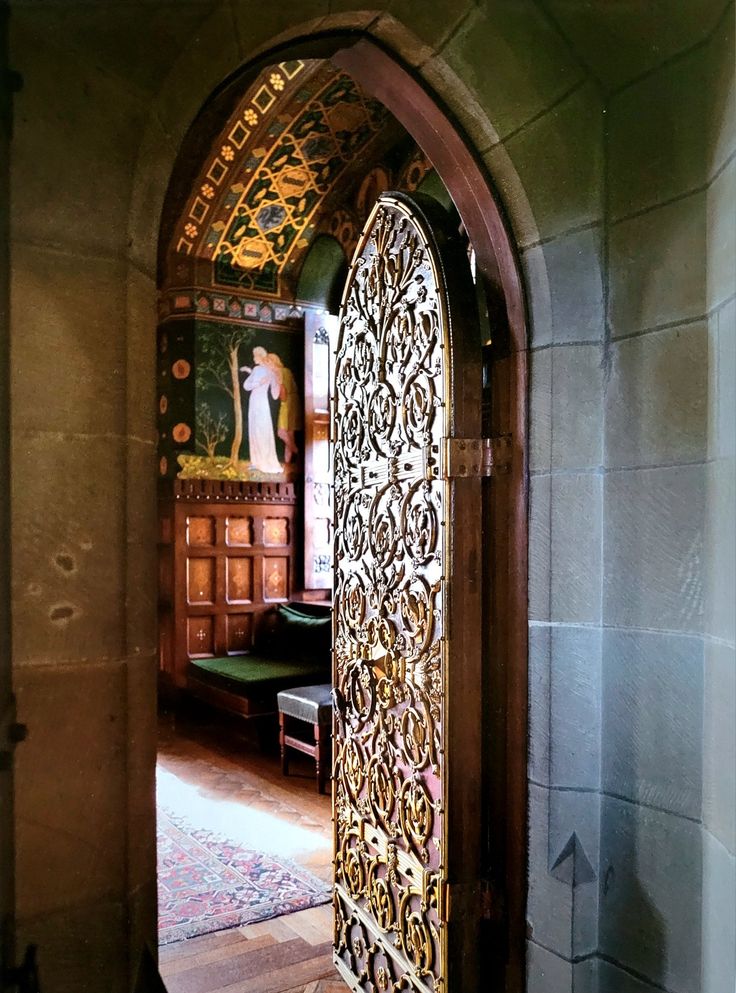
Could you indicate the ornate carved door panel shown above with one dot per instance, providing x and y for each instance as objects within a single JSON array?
[{"x": 407, "y": 609}]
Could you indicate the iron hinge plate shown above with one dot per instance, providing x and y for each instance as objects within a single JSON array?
[{"x": 473, "y": 458}]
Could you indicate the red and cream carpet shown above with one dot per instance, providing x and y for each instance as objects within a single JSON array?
[{"x": 209, "y": 881}]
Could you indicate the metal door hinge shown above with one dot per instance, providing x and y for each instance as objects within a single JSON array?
[
  {"x": 23, "y": 978},
  {"x": 477, "y": 457}
]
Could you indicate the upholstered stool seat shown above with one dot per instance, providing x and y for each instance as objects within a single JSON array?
[{"x": 312, "y": 705}]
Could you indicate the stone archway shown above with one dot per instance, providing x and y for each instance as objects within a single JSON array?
[{"x": 503, "y": 556}]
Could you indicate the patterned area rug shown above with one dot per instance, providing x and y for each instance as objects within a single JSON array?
[{"x": 208, "y": 883}]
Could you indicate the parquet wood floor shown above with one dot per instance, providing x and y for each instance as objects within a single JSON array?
[{"x": 288, "y": 954}]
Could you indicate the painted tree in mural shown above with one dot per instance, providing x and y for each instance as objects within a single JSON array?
[
  {"x": 211, "y": 431},
  {"x": 217, "y": 365}
]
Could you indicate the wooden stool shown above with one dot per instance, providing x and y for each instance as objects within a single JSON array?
[{"x": 313, "y": 705}]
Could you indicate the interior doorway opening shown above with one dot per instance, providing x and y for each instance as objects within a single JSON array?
[{"x": 261, "y": 220}]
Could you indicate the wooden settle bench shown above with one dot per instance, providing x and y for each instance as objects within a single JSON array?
[{"x": 292, "y": 649}]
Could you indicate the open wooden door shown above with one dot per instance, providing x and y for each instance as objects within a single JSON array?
[{"x": 407, "y": 632}]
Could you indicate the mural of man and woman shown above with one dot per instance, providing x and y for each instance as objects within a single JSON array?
[{"x": 268, "y": 375}]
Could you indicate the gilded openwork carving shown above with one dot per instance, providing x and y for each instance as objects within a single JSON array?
[{"x": 390, "y": 510}]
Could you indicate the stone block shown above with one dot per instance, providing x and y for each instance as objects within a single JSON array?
[
  {"x": 575, "y": 701},
  {"x": 138, "y": 50},
  {"x": 611, "y": 979},
  {"x": 653, "y": 548},
  {"x": 536, "y": 279},
  {"x": 722, "y": 109},
  {"x": 511, "y": 190},
  {"x": 141, "y": 537},
  {"x": 540, "y": 568},
  {"x": 213, "y": 52},
  {"x": 565, "y": 288},
  {"x": 619, "y": 42},
  {"x": 564, "y": 712},
  {"x": 719, "y": 744},
  {"x": 719, "y": 917},
  {"x": 76, "y": 129},
  {"x": 722, "y": 382},
  {"x": 153, "y": 169},
  {"x": 68, "y": 342},
  {"x": 652, "y": 741},
  {"x": 577, "y": 408},
  {"x": 68, "y": 548},
  {"x": 656, "y": 400},
  {"x": 721, "y": 236},
  {"x": 453, "y": 89},
  {"x": 540, "y": 410},
  {"x": 547, "y": 972},
  {"x": 71, "y": 793},
  {"x": 513, "y": 60},
  {"x": 559, "y": 159},
  {"x": 540, "y": 648},
  {"x": 585, "y": 976},
  {"x": 574, "y": 856},
  {"x": 428, "y": 26},
  {"x": 142, "y": 401},
  {"x": 142, "y": 931},
  {"x": 565, "y": 548},
  {"x": 563, "y": 856},
  {"x": 275, "y": 24},
  {"x": 656, "y": 135},
  {"x": 80, "y": 949},
  {"x": 140, "y": 700},
  {"x": 575, "y": 584},
  {"x": 657, "y": 268},
  {"x": 549, "y": 900},
  {"x": 720, "y": 549},
  {"x": 651, "y": 870}
]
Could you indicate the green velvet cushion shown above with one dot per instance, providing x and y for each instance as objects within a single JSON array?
[
  {"x": 292, "y": 634},
  {"x": 253, "y": 675}
]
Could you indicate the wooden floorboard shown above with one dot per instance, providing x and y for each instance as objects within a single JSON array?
[
  {"x": 275, "y": 959},
  {"x": 290, "y": 954}
]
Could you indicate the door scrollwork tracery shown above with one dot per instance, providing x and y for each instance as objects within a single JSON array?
[{"x": 392, "y": 506}]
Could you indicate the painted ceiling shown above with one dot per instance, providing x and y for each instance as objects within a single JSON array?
[{"x": 302, "y": 135}]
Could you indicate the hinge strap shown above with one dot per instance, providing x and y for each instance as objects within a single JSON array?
[{"x": 476, "y": 457}]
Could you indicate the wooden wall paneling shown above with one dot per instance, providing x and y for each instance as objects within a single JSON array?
[{"x": 213, "y": 558}]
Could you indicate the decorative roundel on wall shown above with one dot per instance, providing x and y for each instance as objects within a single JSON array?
[
  {"x": 181, "y": 433},
  {"x": 342, "y": 227},
  {"x": 181, "y": 369},
  {"x": 375, "y": 183},
  {"x": 414, "y": 172},
  {"x": 163, "y": 465},
  {"x": 415, "y": 175},
  {"x": 163, "y": 404}
]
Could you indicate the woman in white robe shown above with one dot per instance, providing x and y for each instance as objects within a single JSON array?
[{"x": 261, "y": 437}]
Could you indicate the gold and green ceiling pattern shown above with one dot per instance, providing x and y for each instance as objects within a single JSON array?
[{"x": 298, "y": 131}]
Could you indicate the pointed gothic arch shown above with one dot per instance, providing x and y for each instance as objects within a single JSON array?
[{"x": 503, "y": 352}]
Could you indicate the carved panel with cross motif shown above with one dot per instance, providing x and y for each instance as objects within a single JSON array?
[{"x": 223, "y": 563}]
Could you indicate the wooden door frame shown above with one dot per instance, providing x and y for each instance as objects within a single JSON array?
[{"x": 505, "y": 543}]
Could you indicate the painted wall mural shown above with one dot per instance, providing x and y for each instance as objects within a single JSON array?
[{"x": 240, "y": 386}]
